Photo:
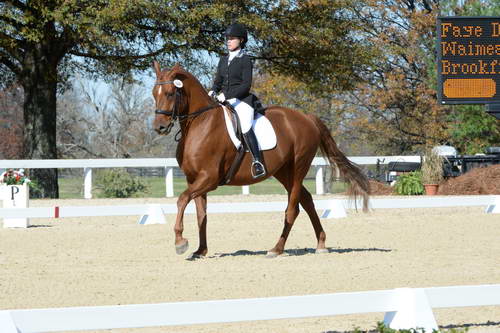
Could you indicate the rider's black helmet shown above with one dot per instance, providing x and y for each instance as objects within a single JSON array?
[{"x": 237, "y": 30}]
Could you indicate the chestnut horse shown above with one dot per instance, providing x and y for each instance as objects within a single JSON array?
[{"x": 205, "y": 153}]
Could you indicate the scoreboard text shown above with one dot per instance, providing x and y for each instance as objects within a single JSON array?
[{"x": 469, "y": 60}]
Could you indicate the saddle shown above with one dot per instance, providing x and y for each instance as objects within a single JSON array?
[{"x": 262, "y": 128}]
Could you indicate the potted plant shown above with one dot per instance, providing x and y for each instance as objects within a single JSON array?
[
  {"x": 13, "y": 177},
  {"x": 432, "y": 172}
]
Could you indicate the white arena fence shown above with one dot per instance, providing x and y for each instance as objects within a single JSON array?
[
  {"x": 334, "y": 208},
  {"x": 169, "y": 164},
  {"x": 404, "y": 308}
]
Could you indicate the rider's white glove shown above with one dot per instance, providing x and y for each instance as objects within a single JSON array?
[
  {"x": 211, "y": 93},
  {"x": 221, "y": 98}
]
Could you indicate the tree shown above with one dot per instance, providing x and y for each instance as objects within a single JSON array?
[
  {"x": 116, "y": 124},
  {"x": 395, "y": 109},
  {"x": 276, "y": 89},
  {"x": 44, "y": 42},
  {"x": 11, "y": 122}
]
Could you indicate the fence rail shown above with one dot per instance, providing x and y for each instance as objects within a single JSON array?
[
  {"x": 169, "y": 164},
  {"x": 404, "y": 308},
  {"x": 250, "y": 207}
]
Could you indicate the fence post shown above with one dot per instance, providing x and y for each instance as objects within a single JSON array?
[
  {"x": 245, "y": 190},
  {"x": 87, "y": 183},
  {"x": 169, "y": 181},
  {"x": 15, "y": 196},
  {"x": 319, "y": 181},
  {"x": 413, "y": 311},
  {"x": 7, "y": 324}
]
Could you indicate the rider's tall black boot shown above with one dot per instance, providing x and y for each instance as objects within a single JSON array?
[{"x": 257, "y": 168}]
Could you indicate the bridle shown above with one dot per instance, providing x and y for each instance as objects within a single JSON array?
[{"x": 175, "y": 108}]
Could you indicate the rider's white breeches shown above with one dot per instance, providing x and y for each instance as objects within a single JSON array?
[{"x": 245, "y": 113}]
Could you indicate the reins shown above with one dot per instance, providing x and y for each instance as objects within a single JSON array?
[{"x": 175, "y": 109}]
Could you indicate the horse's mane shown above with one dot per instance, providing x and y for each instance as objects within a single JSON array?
[{"x": 178, "y": 72}]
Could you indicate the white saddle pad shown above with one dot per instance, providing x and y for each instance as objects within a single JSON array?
[{"x": 262, "y": 128}]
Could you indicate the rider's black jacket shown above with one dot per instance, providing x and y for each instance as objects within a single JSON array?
[{"x": 235, "y": 79}]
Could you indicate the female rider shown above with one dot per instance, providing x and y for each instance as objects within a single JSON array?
[{"x": 232, "y": 84}]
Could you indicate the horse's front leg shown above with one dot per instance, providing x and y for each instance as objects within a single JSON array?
[
  {"x": 201, "y": 214},
  {"x": 181, "y": 244},
  {"x": 196, "y": 190}
]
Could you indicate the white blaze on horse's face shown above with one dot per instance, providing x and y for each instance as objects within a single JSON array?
[{"x": 159, "y": 90}]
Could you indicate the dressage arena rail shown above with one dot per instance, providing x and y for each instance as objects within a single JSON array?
[
  {"x": 169, "y": 164},
  {"x": 404, "y": 308},
  {"x": 334, "y": 208}
]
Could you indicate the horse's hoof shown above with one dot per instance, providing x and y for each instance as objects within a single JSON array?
[
  {"x": 180, "y": 249},
  {"x": 195, "y": 256},
  {"x": 318, "y": 251},
  {"x": 271, "y": 254}
]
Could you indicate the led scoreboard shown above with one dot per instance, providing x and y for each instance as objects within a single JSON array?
[{"x": 468, "y": 60}]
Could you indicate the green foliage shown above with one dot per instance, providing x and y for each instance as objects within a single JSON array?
[
  {"x": 410, "y": 184},
  {"x": 470, "y": 8},
  {"x": 381, "y": 328},
  {"x": 291, "y": 37},
  {"x": 472, "y": 130},
  {"x": 118, "y": 183}
]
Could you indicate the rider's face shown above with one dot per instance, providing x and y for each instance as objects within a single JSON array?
[{"x": 233, "y": 43}]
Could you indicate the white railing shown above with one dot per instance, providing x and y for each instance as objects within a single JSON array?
[
  {"x": 251, "y": 207},
  {"x": 404, "y": 308},
  {"x": 169, "y": 164},
  {"x": 155, "y": 213}
]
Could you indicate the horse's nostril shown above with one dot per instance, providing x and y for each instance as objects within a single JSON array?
[{"x": 161, "y": 129}]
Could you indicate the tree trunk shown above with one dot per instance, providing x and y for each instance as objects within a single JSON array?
[{"x": 40, "y": 88}]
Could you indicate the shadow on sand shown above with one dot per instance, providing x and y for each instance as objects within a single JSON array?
[{"x": 296, "y": 252}]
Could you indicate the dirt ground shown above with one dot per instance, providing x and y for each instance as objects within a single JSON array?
[
  {"x": 110, "y": 261},
  {"x": 485, "y": 180},
  {"x": 476, "y": 181}
]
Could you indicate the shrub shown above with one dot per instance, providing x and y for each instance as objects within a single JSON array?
[
  {"x": 381, "y": 328},
  {"x": 118, "y": 183},
  {"x": 410, "y": 184}
]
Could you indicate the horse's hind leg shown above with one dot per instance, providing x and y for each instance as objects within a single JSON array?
[
  {"x": 293, "y": 186},
  {"x": 307, "y": 203},
  {"x": 201, "y": 214},
  {"x": 295, "y": 189}
]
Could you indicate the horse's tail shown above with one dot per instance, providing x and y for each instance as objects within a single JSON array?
[{"x": 351, "y": 173}]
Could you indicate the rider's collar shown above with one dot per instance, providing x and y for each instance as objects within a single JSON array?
[{"x": 235, "y": 53}]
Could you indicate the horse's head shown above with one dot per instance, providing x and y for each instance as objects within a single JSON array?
[{"x": 169, "y": 94}]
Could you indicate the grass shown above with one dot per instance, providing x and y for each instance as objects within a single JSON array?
[{"x": 72, "y": 188}]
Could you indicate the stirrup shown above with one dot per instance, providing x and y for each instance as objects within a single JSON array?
[{"x": 261, "y": 174}]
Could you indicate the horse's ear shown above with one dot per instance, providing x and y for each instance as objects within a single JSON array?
[
  {"x": 177, "y": 66},
  {"x": 157, "y": 68}
]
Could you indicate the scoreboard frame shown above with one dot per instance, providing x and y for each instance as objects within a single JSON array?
[{"x": 471, "y": 23}]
